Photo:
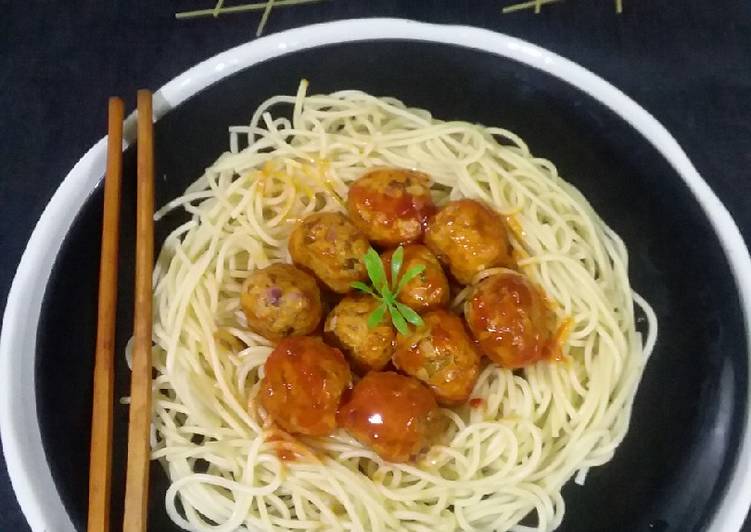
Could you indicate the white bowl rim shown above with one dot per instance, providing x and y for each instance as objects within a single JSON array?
[{"x": 21, "y": 437}]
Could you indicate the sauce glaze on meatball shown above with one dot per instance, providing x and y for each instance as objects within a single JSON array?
[
  {"x": 469, "y": 237},
  {"x": 442, "y": 355},
  {"x": 347, "y": 327},
  {"x": 391, "y": 206},
  {"x": 281, "y": 300},
  {"x": 303, "y": 384},
  {"x": 394, "y": 415},
  {"x": 508, "y": 316},
  {"x": 330, "y": 246}
]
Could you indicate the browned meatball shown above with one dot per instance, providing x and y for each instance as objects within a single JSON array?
[
  {"x": 393, "y": 414},
  {"x": 391, "y": 206},
  {"x": 442, "y": 355},
  {"x": 327, "y": 244},
  {"x": 303, "y": 383},
  {"x": 469, "y": 237},
  {"x": 428, "y": 290},
  {"x": 347, "y": 327},
  {"x": 508, "y": 316},
  {"x": 281, "y": 301}
]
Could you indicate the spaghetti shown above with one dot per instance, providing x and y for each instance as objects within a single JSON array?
[{"x": 507, "y": 453}]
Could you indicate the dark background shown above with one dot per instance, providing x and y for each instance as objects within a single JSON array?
[{"x": 686, "y": 61}]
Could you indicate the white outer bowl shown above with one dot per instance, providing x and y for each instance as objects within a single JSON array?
[{"x": 19, "y": 427}]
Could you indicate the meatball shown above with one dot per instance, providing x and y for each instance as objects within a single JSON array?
[
  {"x": 327, "y": 244},
  {"x": 442, "y": 355},
  {"x": 428, "y": 290},
  {"x": 280, "y": 301},
  {"x": 469, "y": 237},
  {"x": 508, "y": 316},
  {"x": 394, "y": 415},
  {"x": 303, "y": 383},
  {"x": 347, "y": 327},
  {"x": 391, "y": 206}
]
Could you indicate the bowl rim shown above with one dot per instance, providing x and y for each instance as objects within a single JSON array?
[{"x": 26, "y": 461}]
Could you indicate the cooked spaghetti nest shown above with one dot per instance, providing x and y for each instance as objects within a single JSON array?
[{"x": 506, "y": 454}]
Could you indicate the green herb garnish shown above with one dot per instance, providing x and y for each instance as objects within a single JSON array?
[{"x": 400, "y": 313}]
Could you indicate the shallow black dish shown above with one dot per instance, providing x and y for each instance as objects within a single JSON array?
[{"x": 672, "y": 468}]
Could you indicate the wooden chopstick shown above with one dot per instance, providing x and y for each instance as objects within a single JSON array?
[
  {"x": 100, "y": 459},
  {"x": 137, "y": 476}
]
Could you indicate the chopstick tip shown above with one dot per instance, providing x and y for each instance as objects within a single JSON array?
[
  {"x": 116, "y": 105},
  {"x": 144, "y": 97}
]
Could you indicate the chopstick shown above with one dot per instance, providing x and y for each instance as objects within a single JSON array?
[
  {"x": 137, "y": 476},
  {"x": 100, "y": 459}
]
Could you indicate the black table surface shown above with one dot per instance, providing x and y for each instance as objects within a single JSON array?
[{"x": 686, "y": 61}]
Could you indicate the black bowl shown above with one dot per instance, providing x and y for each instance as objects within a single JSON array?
[{"x": 672, "y": 469}]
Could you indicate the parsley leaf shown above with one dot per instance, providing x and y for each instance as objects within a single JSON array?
[
  {"x": 400, "y": 313},
  {"x": 376, "y": 316}
]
